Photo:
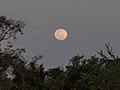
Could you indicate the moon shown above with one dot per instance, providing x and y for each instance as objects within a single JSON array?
[{"x": 60, "y": 34}]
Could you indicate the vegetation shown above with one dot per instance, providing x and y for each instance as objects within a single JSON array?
[{"x": 94, "y": 73}]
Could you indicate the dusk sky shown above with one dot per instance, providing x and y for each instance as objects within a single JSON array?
[{"x": 89, "y": 23}]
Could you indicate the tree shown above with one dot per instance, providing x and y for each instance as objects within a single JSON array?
[
  {"x": 94, "y": 73},
  {"x": 55, "y": 78},
  {"x": 9, "y": 28}
]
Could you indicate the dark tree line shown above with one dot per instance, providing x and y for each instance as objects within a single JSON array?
[{"x": 94, "y": 73}]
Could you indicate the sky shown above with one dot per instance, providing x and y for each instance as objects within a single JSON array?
[{"x": 89, "y": 23}]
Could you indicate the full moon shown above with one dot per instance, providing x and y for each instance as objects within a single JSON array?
[{"x": 60, "y": 34}]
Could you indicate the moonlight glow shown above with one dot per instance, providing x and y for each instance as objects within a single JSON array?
[{"x": 60, "y": 34}]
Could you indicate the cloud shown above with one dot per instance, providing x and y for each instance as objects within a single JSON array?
[{"x": 38, "y": 32}]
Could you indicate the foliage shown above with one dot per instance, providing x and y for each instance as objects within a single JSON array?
[{"x": 9, "y": 28}]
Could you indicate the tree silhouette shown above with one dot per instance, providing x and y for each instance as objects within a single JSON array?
[{"x": 9, "y": 28}]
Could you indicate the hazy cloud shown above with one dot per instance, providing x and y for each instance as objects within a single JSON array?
[{"x": 38, "y": 32}]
